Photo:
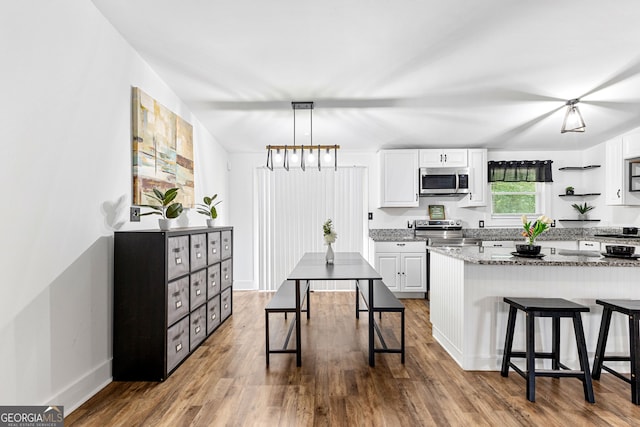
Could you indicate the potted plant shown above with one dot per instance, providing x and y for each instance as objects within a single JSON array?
[
  {"x": 165, "y": 208},
  {"x": 531, "y": 230},
  {"x": 208, "y": 209},
  {"x": 569, "y": 191},
  {"x": 582, "y": 209}
]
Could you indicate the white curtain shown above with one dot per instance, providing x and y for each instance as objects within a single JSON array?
[{"x": 292, "y": 206}]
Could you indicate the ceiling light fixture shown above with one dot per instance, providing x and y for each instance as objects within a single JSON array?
[
  {"x": 294, "y": 148},
  {"x": 573, "y": 121}
]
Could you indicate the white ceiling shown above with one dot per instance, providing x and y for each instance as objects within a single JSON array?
[{"x": 395, "y": 73}]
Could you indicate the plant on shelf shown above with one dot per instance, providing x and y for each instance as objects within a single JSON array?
[
  {"x": 167, "y": 208},
  {"x": 582, "y": 209},
  {"x": 569, "y": 191},
  {"x": 208, "y": 208}
]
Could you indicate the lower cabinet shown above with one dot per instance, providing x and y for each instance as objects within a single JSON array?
[
  {"x": 402, "y": 265},
  {"x": 170, "y": 293}
]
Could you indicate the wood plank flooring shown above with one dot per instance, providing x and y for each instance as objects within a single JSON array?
[{"x": 226, "y": 382}]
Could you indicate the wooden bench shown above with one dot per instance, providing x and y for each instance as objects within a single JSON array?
[
  {"x": 384, "y": 302},
  {"x": 284, "y": 301}
]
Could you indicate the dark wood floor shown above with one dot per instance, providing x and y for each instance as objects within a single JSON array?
[{"x": 226, "y": 382}]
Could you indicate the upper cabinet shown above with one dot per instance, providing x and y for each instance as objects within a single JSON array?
[
  {"x": 438, "y": 158},
  {"x": 399, "y": 178},
  {"x": 478, "y": 177},
  {"x": 631, "y": 146},
  {"x": 616, "y": 175}
]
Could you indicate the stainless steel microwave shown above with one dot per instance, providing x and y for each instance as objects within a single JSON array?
[{"x": 443, "y": 181}]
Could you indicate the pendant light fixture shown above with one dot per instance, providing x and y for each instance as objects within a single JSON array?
[
  {"x": 314, "y": 151},
  {"x": 573, "y": 121}
]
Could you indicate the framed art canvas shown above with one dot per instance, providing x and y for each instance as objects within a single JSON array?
[{"x": 162, "y": 151}]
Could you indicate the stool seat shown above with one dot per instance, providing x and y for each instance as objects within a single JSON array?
[
  {"x": 556, "y": 308},
  {"x": 630, "y": 308},
  {"x": 545, "y": 304}
]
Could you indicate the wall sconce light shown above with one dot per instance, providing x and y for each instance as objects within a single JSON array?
[{"x": 573, "y": 121}]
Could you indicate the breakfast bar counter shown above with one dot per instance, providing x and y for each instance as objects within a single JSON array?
[{"x": 469, "y": 317}]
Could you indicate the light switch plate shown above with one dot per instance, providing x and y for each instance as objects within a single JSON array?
[{"x": 134, "y": 214}]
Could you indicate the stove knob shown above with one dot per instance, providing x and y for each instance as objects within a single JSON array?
[{"x": 458, "y": 222}]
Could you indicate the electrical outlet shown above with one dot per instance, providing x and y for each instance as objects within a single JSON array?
[
  {"x": 481, "y": 224},
  {"x": 370, "y": 215},
  {"x": 134, "y": 214},
  {"x": 553, "y": 224}
]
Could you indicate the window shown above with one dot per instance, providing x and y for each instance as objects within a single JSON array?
[{"x": 516, "y": 198}]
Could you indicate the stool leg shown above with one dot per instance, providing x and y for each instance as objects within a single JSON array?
[
  {"x": 508, "y": 342},
  {"x": 602, "y": 343},
  {"x": 531, "y": 357},
  {"x": 555, "y": 345},
  {"x": 584, "y": 360},
  {"x": 634, "y": 348}
]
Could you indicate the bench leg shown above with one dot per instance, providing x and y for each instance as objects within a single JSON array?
[
  {"x": 372, "y": 358},
  {"x": 266, "y": 328},
  {"x": 298, "y": 328},
  {"x": 602, "y": 343},
  {"x": 555, "y": 345},
  {"x": 584, "y": 361},
  {"x": 508, "y": 341},
  {"x": 402, "y": 336},
  {"x": 357, "y": 300},
  {"x": 308, "y": 300}
]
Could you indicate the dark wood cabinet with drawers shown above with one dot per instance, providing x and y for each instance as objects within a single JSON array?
[{"x": 172, "y": 289}]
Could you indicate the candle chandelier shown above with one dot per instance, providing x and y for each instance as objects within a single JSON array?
[{"x": 282, "y": 151}]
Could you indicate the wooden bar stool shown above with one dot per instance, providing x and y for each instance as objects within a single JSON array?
[
  {"x": 629, "y": 308},
  {"x": 556, "y": 308}
]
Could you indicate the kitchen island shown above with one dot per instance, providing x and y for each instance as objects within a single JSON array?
[{"x": 469, "y": 317}]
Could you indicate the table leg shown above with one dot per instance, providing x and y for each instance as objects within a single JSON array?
[
  {"x": 372, "y": 359},
  {"x": 298, "y": 328}
]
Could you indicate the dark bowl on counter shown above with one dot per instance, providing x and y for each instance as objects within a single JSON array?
[
  {"x": 528, "y": 249},
  {"x": 620, "y": 250}
]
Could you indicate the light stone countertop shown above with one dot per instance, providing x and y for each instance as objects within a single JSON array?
[{"x": 552, "y": 257}]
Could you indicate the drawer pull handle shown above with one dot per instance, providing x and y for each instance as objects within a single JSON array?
[
  {"x": 178, "y": 260},
  {"x": 197, "y": 330},
  {"x": 497, "y": 246},
  {"x": 178, "y": 347},
  {"x": 400, "y": 244},
  {"x": 179, "y": 303},
  {"x": 198, "y": 255},
  {"x": 176, "y": 294},
  {"x": 197, "y": 245},
  {"x": 198, "y": 292},
  {"x": 176, "y": 250}
]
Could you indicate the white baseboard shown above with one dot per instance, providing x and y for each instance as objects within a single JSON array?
[
  {"x": 83, "y": 389},
  {"x": 245, "y": 285}
]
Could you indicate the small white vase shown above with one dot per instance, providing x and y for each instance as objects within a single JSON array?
[
  {"x": 164, "y": 224},
  {"x": 329, "y": 256},
  {"x": 211, "y": 222}
]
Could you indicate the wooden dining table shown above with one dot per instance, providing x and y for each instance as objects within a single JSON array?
[{"x": 346, "y": 266}]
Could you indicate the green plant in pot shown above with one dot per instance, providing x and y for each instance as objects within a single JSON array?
[
  {"x": 569, "y": 191},
  {"x": 582, "y": 209},
  {"x": 167, "y": 208},
  {"x": 208, "y": 208}
]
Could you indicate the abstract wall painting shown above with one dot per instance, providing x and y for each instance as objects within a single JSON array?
[{"x": 162, "y": 151}]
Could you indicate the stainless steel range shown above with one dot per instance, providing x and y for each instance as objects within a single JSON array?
[{"x": 443, "y": 232}]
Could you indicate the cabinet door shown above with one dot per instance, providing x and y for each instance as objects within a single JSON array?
[
  {"x": 399, "y": 178},
  {"x": 198, "y": 251},
  {"x": 178, "y": 256},
  {"x": 614, "y": 175},
  {"x": 388, "y": 265},
  {"x": 631, "y": 146},
  {"x": 414, "y": 272},
  {"x": 477, "y": 179},
  {"x": 431, "y": 158},
  {"x": 455, "y": 158}
]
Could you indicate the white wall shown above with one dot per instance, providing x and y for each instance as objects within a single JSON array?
[{"x": 65, "y": 113}]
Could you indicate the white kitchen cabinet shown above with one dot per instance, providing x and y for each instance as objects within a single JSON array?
[
  {"x": 478, "y": 177},
  {"x": 499, "y": 243},
  {"x": 616, "y": 178},
  {"x": 402, "y": 265},
  {"x": 588, "y": 245},
  {"x": 631, "y": 146},
  {"x": 398, "y": 178},
  {"x": 438, "y": 158}
]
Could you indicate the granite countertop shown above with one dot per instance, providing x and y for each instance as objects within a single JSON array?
[{"x": 552, "y": 257}]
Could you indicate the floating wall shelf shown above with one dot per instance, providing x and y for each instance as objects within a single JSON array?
[
  {"x": 578, "y": 168},
  {"x": 580, "y": 220},
  {"x": 579, "y": 195}
]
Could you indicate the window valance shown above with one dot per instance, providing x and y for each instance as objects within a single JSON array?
[{"x": 520, "y": 171}]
